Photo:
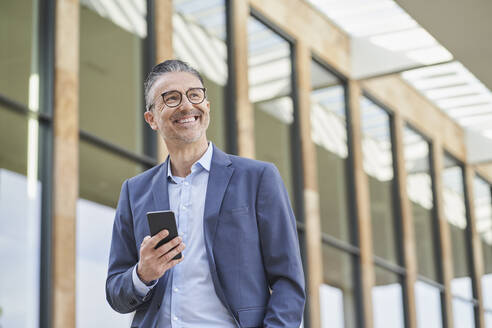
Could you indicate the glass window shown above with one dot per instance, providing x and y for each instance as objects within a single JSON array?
[
  {"x": 20, "y": 210},
  {"x": 269, "y": 61},
  {"x": 101, "y": 175},
  {"x": 463, "y": 315},
  {"x": 17, "y": 46},
  {"x": 202, "y": 24},
  {"x": 428, "y": 305},
  {"x": 329, "y": 133},
  {"x": 94, "y": 230},
  {"x": 387, "y": 299},
  {"x": 483, "y": 218},
  {"x": 455, "y": 213},
  {"x": 378, "y": 164},
  {"x": 488, "y": 319},
  {"x": 419, "y": 191},
  {"x": 337, "y": 294},
  {"x": 111, "y": 71}
]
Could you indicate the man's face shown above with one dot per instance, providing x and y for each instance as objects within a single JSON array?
[{"x": 184, "y": 124}]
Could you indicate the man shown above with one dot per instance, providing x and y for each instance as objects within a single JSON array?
[{"x": 241, "y": 265}]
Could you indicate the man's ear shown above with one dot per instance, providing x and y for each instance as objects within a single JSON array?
[{"x": 149, "y": 118}]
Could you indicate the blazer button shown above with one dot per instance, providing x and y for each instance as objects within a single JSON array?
[
  {"x": 133, "y": 302},
  {"x": 158, "y": 306}
]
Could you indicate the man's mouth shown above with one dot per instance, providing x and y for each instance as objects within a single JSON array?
[{"x": 185, "y": 120}]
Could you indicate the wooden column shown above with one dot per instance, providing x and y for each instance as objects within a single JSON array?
[
  {"x": 444, "y": 234},
  {"x": 361, "y": 202},
  {"x": 163, "y": 16},
  {"x": 475, "y": 244},
  {"x": 65, "y": 162},
  {"x": 409, "y": 250},
  {"x": 244, "y": 109},
  {"x": 311, "y": 193}
]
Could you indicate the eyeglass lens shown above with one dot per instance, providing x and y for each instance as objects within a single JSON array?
[{"x": 173, "y": 98}]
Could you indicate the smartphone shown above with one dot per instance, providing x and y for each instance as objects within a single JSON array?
[{"x": 160, "y": 220}]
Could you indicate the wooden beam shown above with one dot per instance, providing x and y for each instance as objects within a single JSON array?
[
  {"x": 163, "y": 49},
  {"x": 362, "y": 202},
  {"x": 65, "y": 161},
  {"x": 409, "y": 249},
  {"x": 393, "y": 92},
  {"x": 244, "y": 109},
  {"x": 443, "y": 227},
  {"x": 477, "y": 258},
  {"x": 311, "y": 194}
]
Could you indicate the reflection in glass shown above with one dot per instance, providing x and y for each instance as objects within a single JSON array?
[
  {"x": 463, "y": 315},
  {"x": 269, "y": 91},
  {"x": 483, "y": 219},
  {"x": 101, "y": 174},
  {"x": 428, "y": 305},
  {"x": 455, "y": 213},
  {"x": 17, "y": 49},
  {"x": 111, "y": 76},
  {"x": 93, "y": 240},
  {"x": 419, "y": 191},
  {"x": 201, "y": 24},
  {"x": 378, "y": 164},
  {"x": 387, "y": 299},
  {"x": 337, "y": 295},
  {"x": 329, "y": 133},
  {"x": 488, "y": 319},
  {"x": 20, "y": 223}
]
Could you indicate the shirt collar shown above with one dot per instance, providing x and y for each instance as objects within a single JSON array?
[{"x": 204, "y": 161}]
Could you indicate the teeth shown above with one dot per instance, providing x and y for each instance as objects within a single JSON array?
[{"x": 191, "y": 119}]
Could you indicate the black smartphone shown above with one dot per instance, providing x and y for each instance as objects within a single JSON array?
[{"x": 160, "y": 220}]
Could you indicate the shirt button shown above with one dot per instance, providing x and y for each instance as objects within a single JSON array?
[
  {"x": 176, "y": 289},
  {"x": 183, "y": 207},
  {"x": 186, "y": 183},
  {"x": 175, "y": 318}
]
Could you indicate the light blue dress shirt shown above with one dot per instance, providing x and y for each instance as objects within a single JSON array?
[{"x": 190, "y": 299}]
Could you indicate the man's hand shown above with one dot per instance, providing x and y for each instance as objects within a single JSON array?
[{"x": 155, "y": 262}]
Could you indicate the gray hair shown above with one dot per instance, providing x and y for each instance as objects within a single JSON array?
[{"x": 168, "y": 66}]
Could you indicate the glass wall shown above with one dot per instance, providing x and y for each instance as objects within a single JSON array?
[
  {"x": 269, "y": 62},
  {"x": 378, "y": 165},
  {"x": 111, "y": 103},
  {"x": 337, "y": 293},
  {"x": 456, "y": 216},
  {"x": 111, "y": 55},
  {"x": 20, "y": 182},
  {"x": 419, "y": 192},
  {"x": 483, "y": 220},
  {"x": 201, "y": 24},
  {"x": 329, "y": 134}
]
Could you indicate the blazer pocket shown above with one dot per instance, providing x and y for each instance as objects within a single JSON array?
[
  {"x": 252, "y": 317},
  {"x": 238, "y": 210}
]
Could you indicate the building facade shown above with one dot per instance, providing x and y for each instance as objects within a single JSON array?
[{"x": 395, "y": 225}]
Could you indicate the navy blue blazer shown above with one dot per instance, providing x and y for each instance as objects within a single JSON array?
[{"x": 250, "y": 239}]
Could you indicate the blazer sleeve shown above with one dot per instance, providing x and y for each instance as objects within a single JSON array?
[
  {"x": 120, "y": 291},
  {"x": 281, "y": 254}
]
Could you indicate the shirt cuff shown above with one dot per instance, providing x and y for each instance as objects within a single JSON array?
[{"x": 141, "y": 288}]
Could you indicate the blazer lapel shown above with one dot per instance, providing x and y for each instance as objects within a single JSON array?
[
  {"x": 159, "y": 188},
  {"x": 218, "y": 179}
]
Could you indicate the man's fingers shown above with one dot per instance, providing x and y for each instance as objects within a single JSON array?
[
  {"x": 168, "y": 246},
  {"x": 157, "y": 238},
  {"x": 173, "y": 252},
  {"x": 172, "y": 263}
]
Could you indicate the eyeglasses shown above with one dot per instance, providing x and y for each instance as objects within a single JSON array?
[{"x": 173, "y": 98}]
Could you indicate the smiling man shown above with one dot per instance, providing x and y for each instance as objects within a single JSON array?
[{"x": 241, "y": 265}]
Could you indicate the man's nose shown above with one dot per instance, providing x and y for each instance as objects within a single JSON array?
[{"x": 185, "y": 103}]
